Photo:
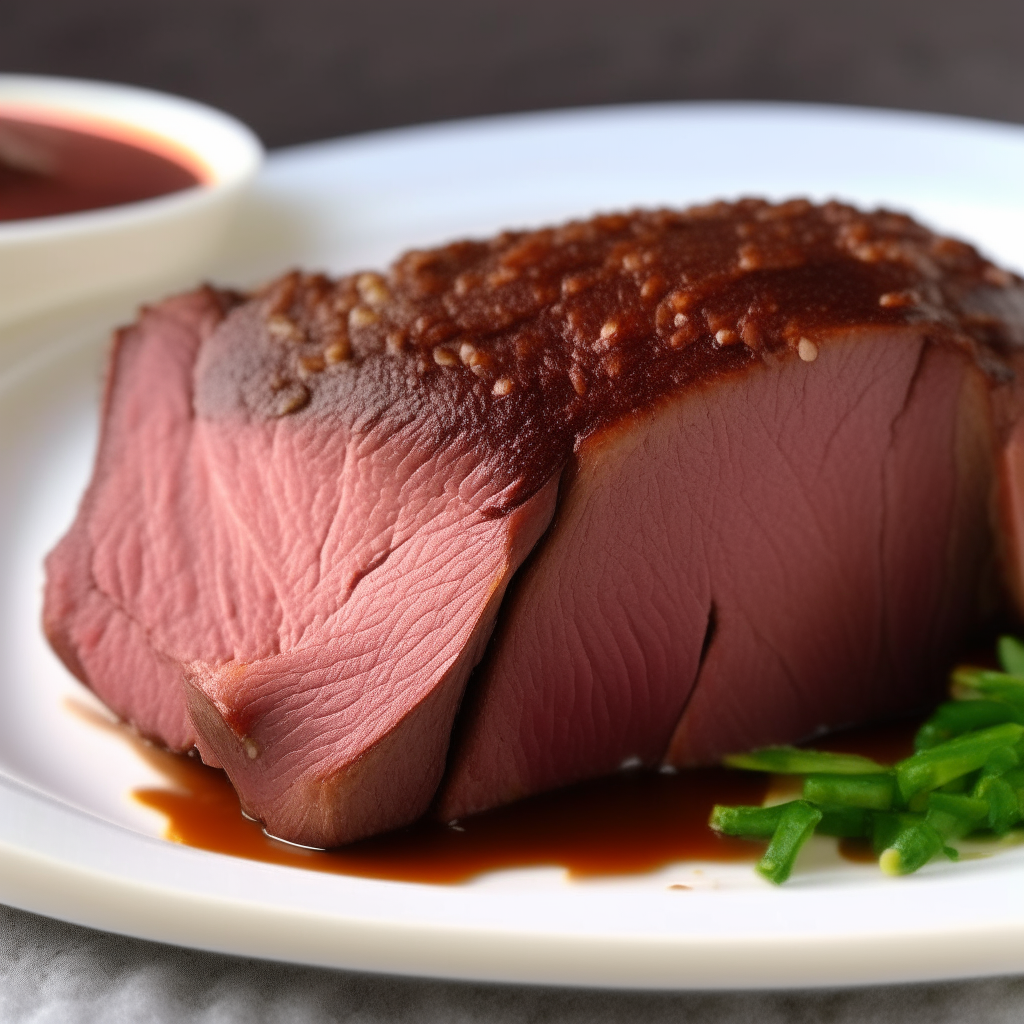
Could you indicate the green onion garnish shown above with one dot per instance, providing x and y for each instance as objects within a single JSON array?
[
  {"x": 966, "y": 776},
  {"x": 795, "y": 827},
  {"x": 797, "y": 761},
  {"x": 1011, "y": 654}
]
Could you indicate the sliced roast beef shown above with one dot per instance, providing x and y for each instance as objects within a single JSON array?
[
  {"x": 791, "y": 551},
  {"x": 748, "y": 453},
  {"x": 300, "y": 594}
]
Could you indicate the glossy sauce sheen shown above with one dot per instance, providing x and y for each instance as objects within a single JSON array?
[
  {"x": 47, "y": 170},
  {"x": 633, "y": 822}
]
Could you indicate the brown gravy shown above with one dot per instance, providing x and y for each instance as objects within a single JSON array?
[
  {"x": 633, "y": 822},
  {"x": 47, "y": 169}
]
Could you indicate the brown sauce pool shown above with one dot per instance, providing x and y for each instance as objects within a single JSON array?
[
  {"x": 629, "y": 823},
  {"x": 632, "y": 822},
  {"x": 46, "y": 169}
]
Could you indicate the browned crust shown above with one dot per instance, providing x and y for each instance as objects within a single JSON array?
[{"x": 530, "y": 341}]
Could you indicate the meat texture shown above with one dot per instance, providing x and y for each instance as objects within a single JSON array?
[{"x": 762, "y": 467}]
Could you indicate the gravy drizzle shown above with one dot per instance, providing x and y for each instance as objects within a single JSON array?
[{"x": 632, "y": 822}]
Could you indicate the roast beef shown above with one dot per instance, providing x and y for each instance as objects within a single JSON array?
[{"x": 760, "y": 465}]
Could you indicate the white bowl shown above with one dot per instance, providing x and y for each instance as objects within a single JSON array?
[{"x": 170, "y": 240}]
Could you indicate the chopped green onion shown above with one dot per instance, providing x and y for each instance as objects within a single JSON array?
[
  {"x": 976, "y": 678},
  {"x": 998, "y": 686},
  {"x": 886, "y": 825},
  {"x": 845, "y": 823},
  {"x": 911, "y": 848},
  {"x": 872, "y": 792},
  {"x": 795, "y": 827},
  {"x": 1011, "y": 655},
  {"x": 796, "y": 761},
  {"x": 931, "y": 768},
  {"x": 749, "y": 822},
  {"x": 954, "y": 817},
  {"x": 1001, "y": 760},
  {"x": 1002, "y": 802},
  {"x": 1015, "y": 779},
  {"x": 918, "y": 803},
  {"x": 956, "y": 717}
]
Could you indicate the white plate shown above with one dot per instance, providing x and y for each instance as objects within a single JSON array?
[{"x": 73, "y": 845}]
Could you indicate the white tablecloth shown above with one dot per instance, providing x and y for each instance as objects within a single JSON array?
[{"x": 55, "y": 972}]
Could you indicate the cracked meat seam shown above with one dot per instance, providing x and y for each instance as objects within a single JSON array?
[{"x": 710, "y": 629}]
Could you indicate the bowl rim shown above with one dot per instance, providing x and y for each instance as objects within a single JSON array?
[{"x": 226, "y": 148}]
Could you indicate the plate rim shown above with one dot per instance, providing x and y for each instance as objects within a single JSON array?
[{"x": 36, "y": 876}]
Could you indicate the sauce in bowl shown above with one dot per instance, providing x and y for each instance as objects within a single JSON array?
[{"x": 48, "y": 169}]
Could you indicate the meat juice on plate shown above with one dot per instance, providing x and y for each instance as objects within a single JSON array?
[{"x": 632, "y": 822}]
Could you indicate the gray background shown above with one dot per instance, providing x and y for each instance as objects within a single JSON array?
[
  {"x": 305, "y": 69},
  {"x": 298, "y": 70}
]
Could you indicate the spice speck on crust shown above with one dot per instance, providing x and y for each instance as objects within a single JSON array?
[{"x": 807, "y": 350}]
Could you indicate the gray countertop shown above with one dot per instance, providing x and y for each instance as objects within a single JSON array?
[{"x": 55, "y": 972}]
